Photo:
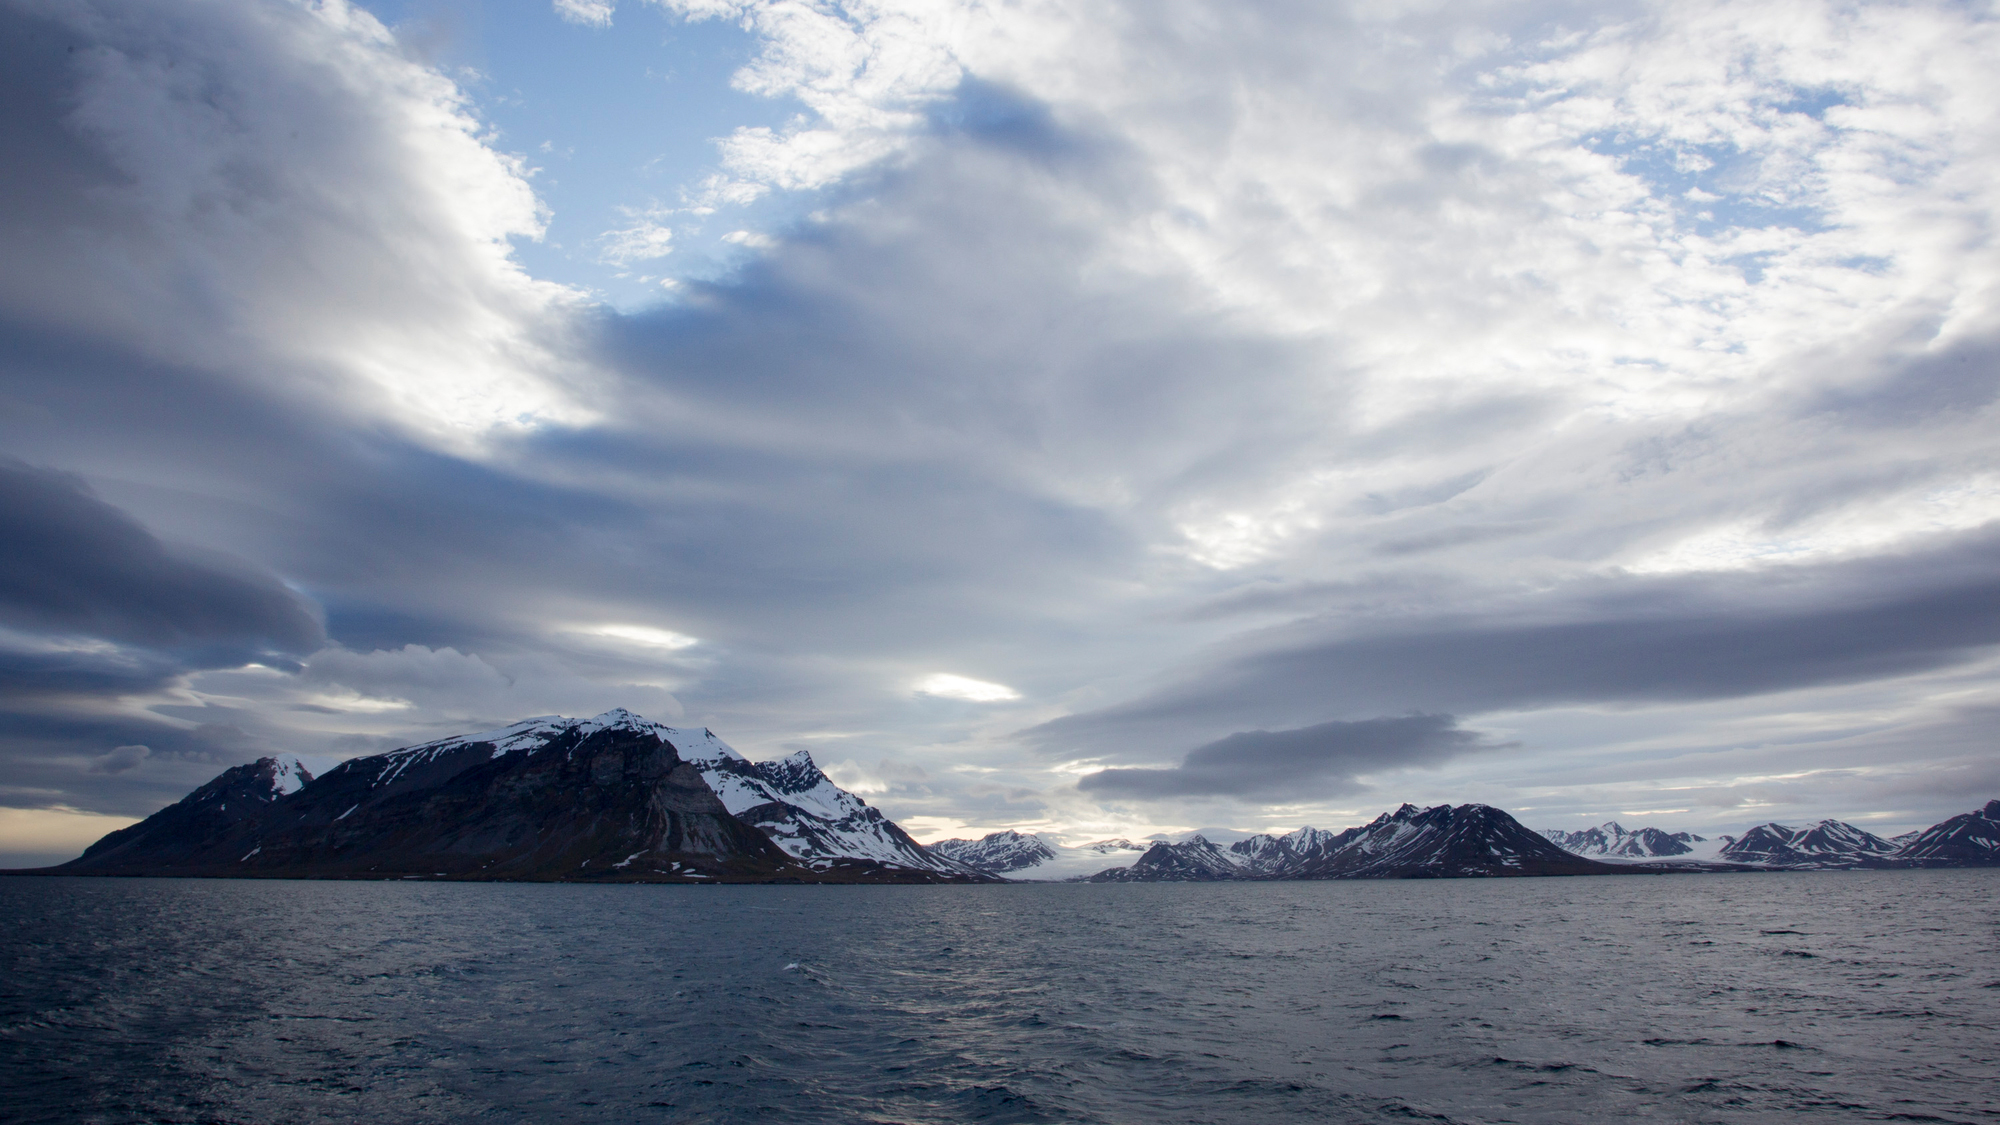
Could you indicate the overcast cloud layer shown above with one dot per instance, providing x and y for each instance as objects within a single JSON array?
[{"x": 1165, "y": 414}]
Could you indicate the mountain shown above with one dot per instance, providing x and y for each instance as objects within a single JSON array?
[
  {"x": 613, "y": 798},
  {"x": 1611, "y": 839},
  {"x": 1410, "y": 843},
  {"x": 1193, "y": 860},
  {"x": 1273, "y": 855},
  {"x": 1967, "y": 840},
  {"x": 1830, "y": 844},
  {"x": 210, "y": 818},
  {"x": 997, "y": 852},
  {"x": 803, "y": 811},
  {"x": 1018, "y": 855}
]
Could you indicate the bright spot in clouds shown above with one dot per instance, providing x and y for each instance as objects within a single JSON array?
[
  {"x": 947, "y": 686},
  {"x": 644, "y": 635}
]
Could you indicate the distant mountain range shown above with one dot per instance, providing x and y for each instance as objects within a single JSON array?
[
  {"x": 1479, "y": 840},
  {"x": 1017, "y": 855},
  {"x": 616, "y": 798},
  {"x": 1610, "y": 839}
]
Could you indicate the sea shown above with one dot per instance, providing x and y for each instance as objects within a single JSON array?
[{"x": 1821, "y": 997}]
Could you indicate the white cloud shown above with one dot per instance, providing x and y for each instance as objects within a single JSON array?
[
  {"x": 590, "y": 13},
  {"x": 646, "y": 239},
  {"x": 948, "y": 686},
  {"x": 284, "y": 195},
  {"x": 643, "y": 635}
]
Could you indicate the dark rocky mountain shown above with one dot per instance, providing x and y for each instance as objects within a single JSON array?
[
  {"x": 210, "y": 818},
  {"x": 997, "y": 852},
  {"x": 606, "y": 799},
  {"x": 1830, "y": 844},
  {"x": 1446, "y": 842},
  {"x": 1966, "y": 840},
  {"x": 1410, "y": 843},
  {"x": 1194, "y": 860},
  {"x": 1271, "y": 855},
  {"x": 1612, "y": 839}
]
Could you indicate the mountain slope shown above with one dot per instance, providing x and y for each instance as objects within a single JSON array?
[
  {"x": 804, "y": 812},
  {"x": 1446, "y": 842},
  {"x": 613, "y": 797},
  {"x": 1440, "y": 842},
  {"x": 1611, "y": 839},
  {"x": 592, "y": 801},
  {"x": 211, "y": 817},
  {"x": 1966, "y": 840},
  {"x": 1021, "y": 856},
  {"x": 1273, "y": 855},
  {"x": 997, "y": 852},
  {"x": 1193, "y": 860},
  {"x": 1830, "y": 844}
]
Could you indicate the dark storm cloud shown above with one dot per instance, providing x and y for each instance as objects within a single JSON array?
[
  {"x": 1323, "y": 760},
  {"x": 73, "y": 565},
  {"x": 1621, "y": 640}
]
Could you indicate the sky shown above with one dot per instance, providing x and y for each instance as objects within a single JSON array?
[{"x": 1095, "y": 418}]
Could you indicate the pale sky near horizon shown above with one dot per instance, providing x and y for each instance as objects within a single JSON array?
[{"x": 1098, "y": 417}]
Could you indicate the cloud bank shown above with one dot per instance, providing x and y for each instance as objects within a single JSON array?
[
  {"x": 1326, "y": 759},
  {"x": 1198, "y": 382}
]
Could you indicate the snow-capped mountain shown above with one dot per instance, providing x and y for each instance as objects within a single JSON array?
[
  {"x": 1828, "y": 844},
  {"x": 1612, "y": 839},
  {"x": 789, "y": 800},
  {"x": 998, "y": 852},
  {"x": 1039, "y": 857},
  {"x": 1193, "y": 860},
  {"x": 588, "y": 801},
  {"x": 1444, "y": 841},
  {"x": 1272, "y": 855},
  {"x": 1966, "y": 840},
  {"x": 614, "y": 796}
]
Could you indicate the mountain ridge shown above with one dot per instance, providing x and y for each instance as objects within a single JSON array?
[{"x": 611, "y": 798}]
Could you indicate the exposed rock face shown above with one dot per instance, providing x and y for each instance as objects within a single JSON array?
[
  {"x": 1967, "y": 840},
  {"x": 609, "y": 803},
  {"x": 805, "y": 813}
]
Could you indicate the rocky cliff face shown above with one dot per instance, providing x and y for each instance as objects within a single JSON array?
[{"x": 604, "y": 799}]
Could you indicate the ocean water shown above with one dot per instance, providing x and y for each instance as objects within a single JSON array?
[{"x": 1726, "y": 998}]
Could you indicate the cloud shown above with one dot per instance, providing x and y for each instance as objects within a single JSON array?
[
  {"x": 120, "y": 759},
  {"x": 1128, "y": 354},
  {"x": 76, "y": 571},
  {"x": 590, "y": 13},
  {"x": 278, "y": 194},
  {"x": 1324, "y": 760},
  {"x": 947, "y": 686}
]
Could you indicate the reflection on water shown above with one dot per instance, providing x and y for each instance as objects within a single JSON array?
[{"x": 1821, "y": 997}]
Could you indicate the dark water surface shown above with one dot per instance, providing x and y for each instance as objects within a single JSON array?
[{"x": 1734, "y": 998}]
